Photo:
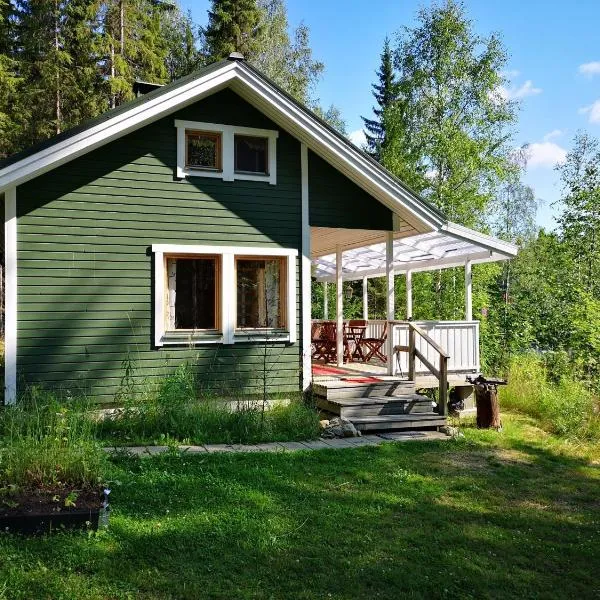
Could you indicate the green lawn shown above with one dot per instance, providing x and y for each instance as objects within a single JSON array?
[{"x": 509, "y": 515}]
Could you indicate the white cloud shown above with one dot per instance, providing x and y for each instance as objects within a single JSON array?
[
  {"x": 358, "y": 137},
  {"x": 553, "y": 134},
  {"x": 593, "y": 112},
  {"x": 518, "y": 92},
  {"x": 545, "y": 154},
  {"x": 590, "y": 69}
]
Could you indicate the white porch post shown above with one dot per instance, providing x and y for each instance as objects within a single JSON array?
[
  {"x": 10, "y": 309},
  {"x": 339, "y": 308},
  {"x": 365, "y": 299},
  {"x": 389, "y": 273},
  {"x": 409, "y": 308},
  {"x": 468, "y": 291},
  {"x": 305, "y": 276},
  {"x": 325, "y": 301}
]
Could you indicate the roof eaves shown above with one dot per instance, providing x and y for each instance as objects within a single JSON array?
[{"x": 431, "y": 207}]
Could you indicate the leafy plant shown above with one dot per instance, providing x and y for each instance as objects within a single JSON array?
[{"x": 564, "y": 406}]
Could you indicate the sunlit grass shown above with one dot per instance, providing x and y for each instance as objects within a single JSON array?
[{"x": 503, "y": 515}]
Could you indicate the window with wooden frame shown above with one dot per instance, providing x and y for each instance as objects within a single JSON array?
[
  {"x": 193, "y": 293},
  {"x": 227, "y": 152},
  {"x": 203, "y": 150},
  {"x": 261, "y": 284},
  {"x": 224, "y": 294},
  {"x": 251, "y": 154}
]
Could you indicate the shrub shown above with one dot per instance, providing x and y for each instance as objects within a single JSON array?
[
  {"x": 46, "y": 443},
  {"x": 562, "y": 405},
  {"x": 173, "y": 410}
]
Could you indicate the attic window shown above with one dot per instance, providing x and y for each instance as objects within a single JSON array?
[
  {"x": 251, "y": 154},
  {"x": 203, "y": 150},
  {"x": 227, "y": 152}
]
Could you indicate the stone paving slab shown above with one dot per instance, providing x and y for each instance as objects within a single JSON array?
[
  {"x": 320, "y": 444},
  {"x": 213, "y": 448}
]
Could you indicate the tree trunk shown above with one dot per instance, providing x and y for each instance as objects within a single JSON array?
[
  {"x": 488, "y": 409},
  {"x": 56, "y": 47}
]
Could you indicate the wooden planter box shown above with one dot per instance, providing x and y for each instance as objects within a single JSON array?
[{"x": 50, "y": 521}]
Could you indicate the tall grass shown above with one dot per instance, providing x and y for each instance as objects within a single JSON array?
[
  {"x": 174, "y": 410},
  {"x": 46, "y": 443},
  {"x": 561, "y": 404}
]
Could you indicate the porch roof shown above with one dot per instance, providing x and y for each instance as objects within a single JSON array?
[{"x": 364, "y": 252}]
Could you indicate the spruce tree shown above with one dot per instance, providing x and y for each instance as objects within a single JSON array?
[
  {"x": 233, "y": 26},
  {"x": 385, "y": 93}
]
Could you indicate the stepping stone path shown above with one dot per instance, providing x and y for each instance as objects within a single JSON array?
[{"x": 321, "y": 444}]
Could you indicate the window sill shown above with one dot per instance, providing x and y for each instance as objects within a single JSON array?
[
  {"x": 273, "y": 335},
  {"x": 173, "y": 338}
]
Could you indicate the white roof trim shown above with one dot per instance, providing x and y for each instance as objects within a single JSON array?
[{"x": 243, "y": 80}]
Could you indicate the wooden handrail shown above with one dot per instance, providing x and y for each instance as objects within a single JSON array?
[{"x": 440, "y": 373}]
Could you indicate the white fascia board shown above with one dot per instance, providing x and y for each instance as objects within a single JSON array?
[
  {"x": 236, "y": 250},
  {"x": 481, "y": 239},
  {"x": 10, "y": 307},
  {"x": 105, "y": 132},
  {"x": 421, "y": 266},
  {"x": 319, "y": 138}
]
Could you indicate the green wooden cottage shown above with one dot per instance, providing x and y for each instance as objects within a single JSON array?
[{"x": 185, "y": 227}]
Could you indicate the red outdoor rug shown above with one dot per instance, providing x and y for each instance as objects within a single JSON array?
[
  {"x": 326, "y": 370},
  {"x": 361, "y": 379}
]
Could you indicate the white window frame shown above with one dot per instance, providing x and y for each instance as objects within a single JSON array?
[
  {"x": 228, "y": 296},
  {"x": 228, "y": 133}
]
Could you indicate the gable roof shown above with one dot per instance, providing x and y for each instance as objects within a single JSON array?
[{"x": 259, "y": 91}]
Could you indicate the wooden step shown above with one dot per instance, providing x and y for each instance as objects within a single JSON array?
[
  {"x": 376, "y": 405},
  {"x": 395, "y": 422},
  {"x": 333, "y": 390}
]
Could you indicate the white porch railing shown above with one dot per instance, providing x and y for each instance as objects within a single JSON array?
[{"x": 460, "y": 339}]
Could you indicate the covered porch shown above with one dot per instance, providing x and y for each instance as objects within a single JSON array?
[{"x": 428, "y": 354}]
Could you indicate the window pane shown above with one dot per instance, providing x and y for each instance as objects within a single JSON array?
[
  {"x": 192, "y": 293},
  {"x": 203, "y": 150},
  {"x": 250, "y": 154},
  {"x": 258, "y": 293}
]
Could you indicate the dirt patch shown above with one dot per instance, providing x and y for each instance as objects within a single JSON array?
[{"x": 46, "y": 501}]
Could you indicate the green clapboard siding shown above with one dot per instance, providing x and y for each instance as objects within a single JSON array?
[
  {"x": 335, "y": 201},
  {"x": 85, "y": 269}
]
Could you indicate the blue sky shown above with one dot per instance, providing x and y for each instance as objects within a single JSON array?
[{"x": 554, "y": 66}]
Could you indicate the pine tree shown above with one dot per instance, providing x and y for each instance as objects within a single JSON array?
[
  {"x": 233, "y": 26},
  {"x": 45, "y": 65},
  {"x": 9, "y": 79},
  {"x": 385, "y": 93},
  {"x": 133, "y": 45},
  {"x": 60, "y": 86}
]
